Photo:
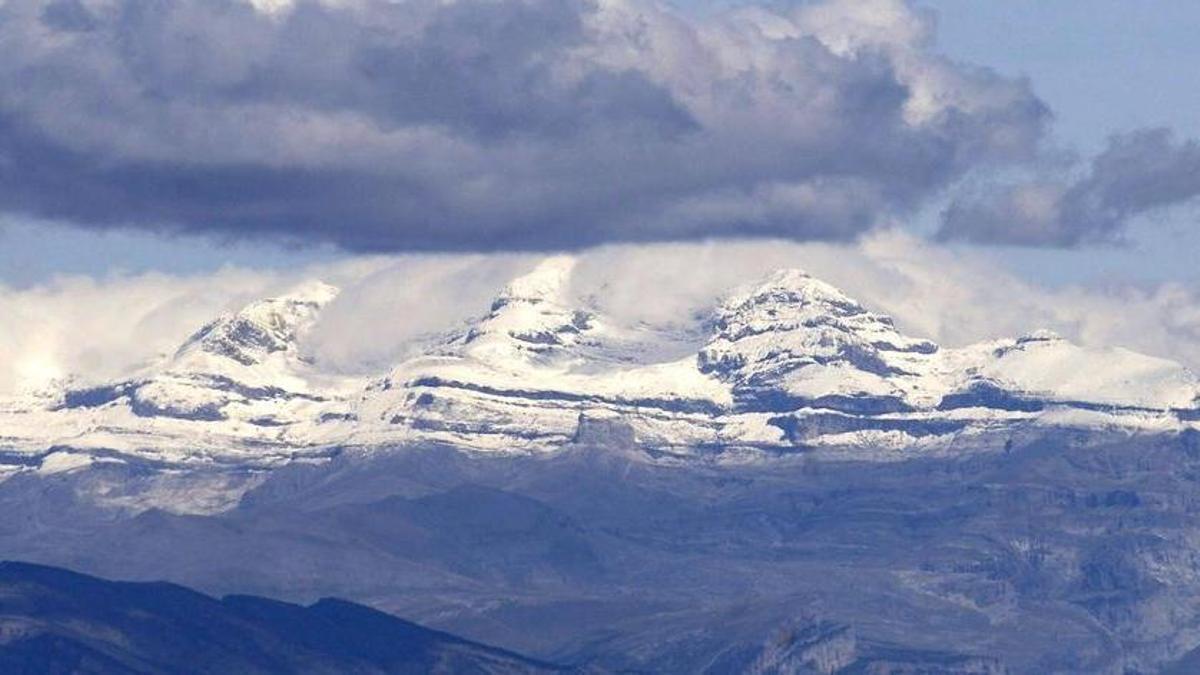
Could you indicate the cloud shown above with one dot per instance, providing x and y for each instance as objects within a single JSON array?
[
  {"x": 1138, "y": 173},
  {"x": 390, "y": 304},
  {"x": 386, "y": 313},
  {"x": 485, "y": 125},
  {"x": 955, "y": 297},
  {"x": 101, "y": 329}
]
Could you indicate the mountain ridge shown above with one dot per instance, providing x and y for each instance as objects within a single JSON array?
[{"x": 791, "y": 364}]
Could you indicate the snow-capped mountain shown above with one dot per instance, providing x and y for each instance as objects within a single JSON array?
[
  {"x": 796, "y": 342},
  {"x": 551, "y": 456},
  {"x": 790, "y": 362},
  {"x": 521, "y": 377},
  {"x": 238, "y": 390}
]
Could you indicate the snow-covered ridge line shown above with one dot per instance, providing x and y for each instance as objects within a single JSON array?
[{"x": 790, "y": 362}]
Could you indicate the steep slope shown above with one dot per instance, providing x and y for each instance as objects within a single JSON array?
[{"x": 53, "y": 620}]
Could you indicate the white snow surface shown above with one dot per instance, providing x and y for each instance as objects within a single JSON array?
[{"x": 790, "y": 360}]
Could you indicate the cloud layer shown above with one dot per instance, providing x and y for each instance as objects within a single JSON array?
[
  {"x": 486, "y": 124},
  {"x": 389, "y": 303},
  {"x": 1138, "y": 173}
]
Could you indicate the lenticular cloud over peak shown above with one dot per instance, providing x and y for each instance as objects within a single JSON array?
[{"x": 530, "y": 124}]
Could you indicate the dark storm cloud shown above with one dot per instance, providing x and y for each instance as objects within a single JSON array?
[
  {"x": 487, "y": 124},
  {"x": 1138, "y": 173}
]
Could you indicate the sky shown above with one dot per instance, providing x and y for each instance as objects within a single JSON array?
[
  {"x": 1103, "y": 66},
  {"x": 176, "y": 159}
]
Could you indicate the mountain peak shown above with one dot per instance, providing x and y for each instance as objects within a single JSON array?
[
  {"x": 789, "y": 299},
  {"x": 789, "y": 277},
  {"x": 313, "y": 291},
  {"x": 544, "y": 283},
  {"x": 792, "y": 338},
  {"x": 263, "y": 327},
  {"x": 795, "y": 289},
  {"x": 531, "y": 318}
]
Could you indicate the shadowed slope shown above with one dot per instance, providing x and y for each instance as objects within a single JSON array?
[{"x": 56, "y": 621}]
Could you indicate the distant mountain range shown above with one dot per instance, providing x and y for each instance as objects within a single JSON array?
[{"x": 787, "y": 364}]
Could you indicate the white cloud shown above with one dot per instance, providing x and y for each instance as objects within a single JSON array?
[
  {"x": 102, "y": 328},
  {"x": 379, "y": 314},
  {"x": 77, "y": 325}
]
